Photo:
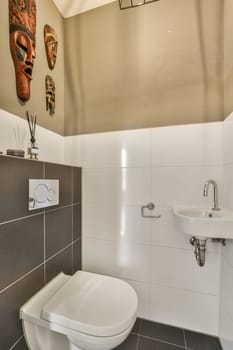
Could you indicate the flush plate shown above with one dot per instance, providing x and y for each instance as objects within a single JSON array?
[{"x": 43, "y": 193}]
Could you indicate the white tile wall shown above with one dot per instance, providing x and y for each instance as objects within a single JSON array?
[
  {"x": 226, "y": 290},
  {"x": 185, "y": 309},
  {"x": 168, "y": 166},
  {"x": 187, "y": 145},
  {"x": 51, "y": 145},
  {"x": 121, "y": 259},
  {"x": 126, "y": 186},
  {"x": 173, "y": 186}
]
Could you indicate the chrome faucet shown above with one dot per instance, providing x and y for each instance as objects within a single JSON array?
[{"x": 215, "y": 188}]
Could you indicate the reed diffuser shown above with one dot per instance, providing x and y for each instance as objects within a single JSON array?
[{"x": 33, "y": 149}]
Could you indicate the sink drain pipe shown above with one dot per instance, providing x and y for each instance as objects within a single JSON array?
[{"x": 200, "y": 249}]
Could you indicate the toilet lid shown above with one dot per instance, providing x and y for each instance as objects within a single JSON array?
[{"x": 93, "y": 304}]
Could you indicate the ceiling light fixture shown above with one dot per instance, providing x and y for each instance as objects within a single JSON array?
[{"x": 128, "y": 4}]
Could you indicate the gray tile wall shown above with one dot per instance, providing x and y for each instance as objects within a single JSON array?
[{"x": 34, "y": 246}]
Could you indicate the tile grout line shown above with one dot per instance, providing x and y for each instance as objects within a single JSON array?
[
  {"x": 20, "y": 219},
  {"x": 38, "y": 266},
  {"x": 44, "y": 223},
  {"x": 185, "y": 342},
  {"x": 139, "y": 332},
  {"x": 138, "y": 342},
  {"x": 72, "y": 217},
  {"x": 21, "y": 278},
  {"x": 37, "y": 214},
  {"x": 72, "y": 227},
  {"x": 60, "y": 251},
  {"x": 16, "y": 343},
  {"x": 45, "y": 247},
  {"x": 162, "y": 341}
]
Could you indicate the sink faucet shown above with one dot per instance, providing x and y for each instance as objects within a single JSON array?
[{"x": 215, "y": 188}]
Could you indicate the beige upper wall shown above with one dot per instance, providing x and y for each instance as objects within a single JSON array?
[
  {"x": 47, "y": 13},
  {"x": 228, "y": 58},
  {"x": 160, "y": 64}
]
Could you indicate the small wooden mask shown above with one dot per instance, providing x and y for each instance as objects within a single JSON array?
[
  {"x": 51, "y": 44},
  {"x": 50, "y": 95},
  {"x": 22, "y": 21}
]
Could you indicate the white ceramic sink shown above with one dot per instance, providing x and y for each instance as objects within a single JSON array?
[{"x": 202, "y": 222}]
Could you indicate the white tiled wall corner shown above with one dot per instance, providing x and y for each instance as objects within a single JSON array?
[
  {"x": 226, "y": 286},
  {"x": 128, "y": 169},
  {"x": 228, "y": 140},
  {"x": 226, "y": 326},
  {"x": 51, "y": 145}
]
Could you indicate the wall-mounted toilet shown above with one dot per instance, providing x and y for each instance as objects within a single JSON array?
[{"x": 85, "y": 311}]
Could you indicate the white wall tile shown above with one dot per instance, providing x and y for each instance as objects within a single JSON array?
[
  {"x": 117, "y": 149},
  {"x": 195, "y": 311},
  {"x": 228, "y": 188},
  {"x": 116, "y": 222},
  {"x": 228, "y": 140},
  {"x": 178, "y": 268},
  {"x": 143, "y": 293},
  {"x": 128, "y": 186},
  {"x": 51, "y": 145},
  {"x": 72, "y": 150},
  {"x": 121, "y": 259},
  {"x": 199, "y": 144},
  {"x": 184, "y": 185},
  {"x": 165, "y": 231},
  {"x": 226, "y": 326}
]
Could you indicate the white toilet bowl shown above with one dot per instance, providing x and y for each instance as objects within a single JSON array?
[{"x": 86, "y": 311}]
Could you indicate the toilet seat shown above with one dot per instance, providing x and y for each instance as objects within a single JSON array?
[
  {"x": 92, "y": 304},
  {"x": 85, "y": 311}
]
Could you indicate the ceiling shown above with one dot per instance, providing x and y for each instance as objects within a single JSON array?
[{"x": 69, "y": 8}]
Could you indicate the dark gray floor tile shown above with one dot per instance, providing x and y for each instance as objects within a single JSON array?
[
  {"x": 150, "y": 344},
  {"x": 64, "y": 174},
  {"x": 137, "y": 325},
  {"x": 62, "y": 262},
  {"x": 167, "y": 333},
  {"x": 77, "y": 185},
  {"x": 77, "y": 256},
  {"x": 14, "y": 177},
  {"x": 21, "y": 345},
  {"x": 10, "y": 302},
  {"x": 129, "y": 344},
  {"x": 198, "y": 341},
  {"x": 77, "y": 221},
  {"x": 21, "y": 248},
  {"x": 58, "y": 230}
]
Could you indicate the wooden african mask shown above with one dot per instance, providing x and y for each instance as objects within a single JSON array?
[
  {"x": 22, "y": 21},
  {"x": 51, "y": 44},
  {"x": 50, "y": 95}
]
